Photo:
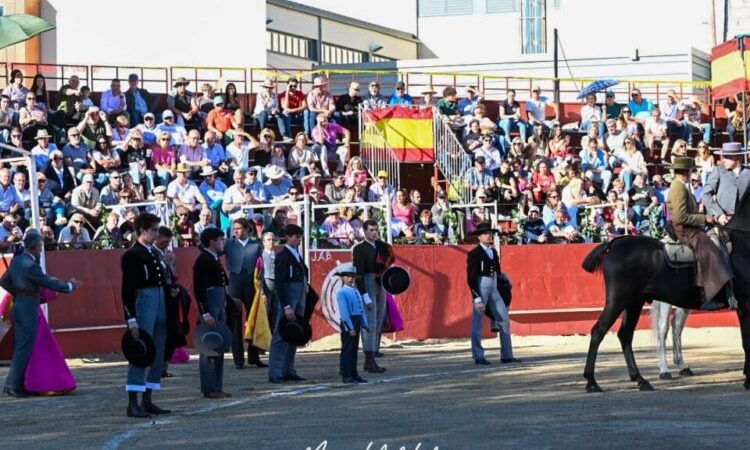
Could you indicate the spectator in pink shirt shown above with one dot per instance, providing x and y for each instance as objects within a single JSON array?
[
  {"x": 318, "y": 101},
  {"x": 355, "y": 172},
  {"x": 403, "y": 209},
  {"x": 191, "y": 153},
  {"x": 163, "y": 158},
  {"x": 325, "y": 138}
]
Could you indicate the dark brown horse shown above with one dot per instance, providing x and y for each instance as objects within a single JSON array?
[{"x": 635, "y": 272}]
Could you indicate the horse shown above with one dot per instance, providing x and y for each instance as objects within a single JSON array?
[
  {"x": 636, "y": 271},
  {"x": 660, "y": 319}
]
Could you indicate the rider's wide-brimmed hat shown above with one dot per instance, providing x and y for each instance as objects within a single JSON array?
[
  {"x": 682, "y": 163},
  {"x": 731, "y": 149}
]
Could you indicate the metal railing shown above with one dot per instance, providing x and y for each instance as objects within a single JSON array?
[
  {"x": 375, "y": 152},
  {"x": 450, "y": 157},
  {"x": 367, "y": 207}
]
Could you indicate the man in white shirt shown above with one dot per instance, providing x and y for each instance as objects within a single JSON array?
[
  {"x": 536, "y": 110},
  {"x": 238, "y": 151},
  {"x": 490, "y": 153},
  {"x": 113, "y": 101},
  {"x": 177, "y": 132},
  {"x": 656, "y": 132},
  {"x": 184, "y": 192},
  {"x": 381, "y": 190},
  {"x": 672, "y": 113},
  {"x": 590, "y": 113}
]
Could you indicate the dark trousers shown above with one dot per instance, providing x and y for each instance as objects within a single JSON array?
[
  {"x": 211, "y": 368},
  {"x": 25, "y": 324},
  {"x": 241, "y": 287},
  {"x": 349, "y": 349}
]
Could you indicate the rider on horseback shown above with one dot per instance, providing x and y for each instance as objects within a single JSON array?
[
  {"x": 726, "y": 183},
  {"x": 714, "y": 270}
]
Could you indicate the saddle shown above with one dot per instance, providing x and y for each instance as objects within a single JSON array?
[{"x": 680, "y": 255}]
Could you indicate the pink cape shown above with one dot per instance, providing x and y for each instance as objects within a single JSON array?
[
  {"x": 47, "y": 372},
  {"x": 393, "y": 320}
]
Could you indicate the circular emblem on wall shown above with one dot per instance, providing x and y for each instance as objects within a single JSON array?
[{"x": 329, "y": 304}]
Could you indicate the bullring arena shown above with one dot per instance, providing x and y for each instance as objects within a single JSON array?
[
  {"x": 432, "y": 395},
  {"x": 481, "y": 147}
]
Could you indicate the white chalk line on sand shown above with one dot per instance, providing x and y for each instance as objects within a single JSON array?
[{"x": 135, "y": 430}]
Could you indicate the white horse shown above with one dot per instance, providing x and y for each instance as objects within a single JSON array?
[{"x": 660, "y": 315}]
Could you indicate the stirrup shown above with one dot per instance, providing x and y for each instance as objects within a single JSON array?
[{"x": 711, "y": 305}]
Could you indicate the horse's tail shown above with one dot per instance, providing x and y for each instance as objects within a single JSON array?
[{"x": 594, "y": 260}]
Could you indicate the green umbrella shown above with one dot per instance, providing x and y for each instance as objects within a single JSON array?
[{"x": 17, "y": 28}]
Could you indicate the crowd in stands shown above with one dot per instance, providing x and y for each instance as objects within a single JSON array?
[
  {"x": 613, "y": 181},
  {"x": 204, "y": 161}
]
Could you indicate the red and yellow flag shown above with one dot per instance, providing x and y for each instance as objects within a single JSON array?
[
  {"x": 408, "y": 131},
  {"x": 728, "y": 75}
]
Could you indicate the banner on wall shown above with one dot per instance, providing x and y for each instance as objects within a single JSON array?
[{"x": 408, "y": 131}]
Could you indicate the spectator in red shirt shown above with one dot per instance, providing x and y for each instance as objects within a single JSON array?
[
  {"x": 293, "y": 106},
  {"x": 221, "y": 121}
]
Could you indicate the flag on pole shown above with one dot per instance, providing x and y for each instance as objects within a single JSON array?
[
  {"x": 729, "y": 76},
  {"x": 408, "y": 131}
]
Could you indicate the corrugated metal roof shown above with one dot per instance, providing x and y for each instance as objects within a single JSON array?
[{"x": 342, "y": 19}]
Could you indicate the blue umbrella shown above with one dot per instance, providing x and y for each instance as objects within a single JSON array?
[{"x": 596, "y": 86}]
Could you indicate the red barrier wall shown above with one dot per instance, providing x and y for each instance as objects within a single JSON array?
[{"x": 548, "y": 284}]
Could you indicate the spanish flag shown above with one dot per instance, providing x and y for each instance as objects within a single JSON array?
[
  {"x": 728, "y": 75},
  {"x": 408, "y": 131}
]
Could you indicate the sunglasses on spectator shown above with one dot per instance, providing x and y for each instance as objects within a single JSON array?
[
  {"x": 313, "y": 192},
  {"x": 149, "y": 119},
  {"x": 292, "y": 192},
  {"x": 114, "y": 177},
  {"x": 634, "y": 94},
  {"x": 78, "y": 222},
  {"x": 626, "y": 111},
  {"x": 553, "y": 196},
  {"x": 57, "y": 158},
  {"x": 74, "y": 135},
  {"x": 17, "y": 136},
  {"x": 30, "y": 98}
]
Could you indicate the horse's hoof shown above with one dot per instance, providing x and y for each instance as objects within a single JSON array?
[
  {"x": 645, "y": 386},
  {"x": 747, "y": 384},
  {"x": 593, "y": 388},
  {"x": 686, "y": 372},
  {"x": 666, "y": 376}
]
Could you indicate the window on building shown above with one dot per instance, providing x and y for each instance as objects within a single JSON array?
[
  {"x": 437, "y": 8},
  {"x": 533, "y": 26},
  {"x": 556, "y": 4},
  {"x": 288, "y": 44},
  {"x": 502, "y": 6},
  {"x": 378, "y": 58},
  {"x": 333, "y": 54}
]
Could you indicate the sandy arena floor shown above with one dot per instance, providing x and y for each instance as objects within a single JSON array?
[{"x": 432, "y": 396}]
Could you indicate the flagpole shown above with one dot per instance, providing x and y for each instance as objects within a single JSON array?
[{"x": 741, "y": 39}]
